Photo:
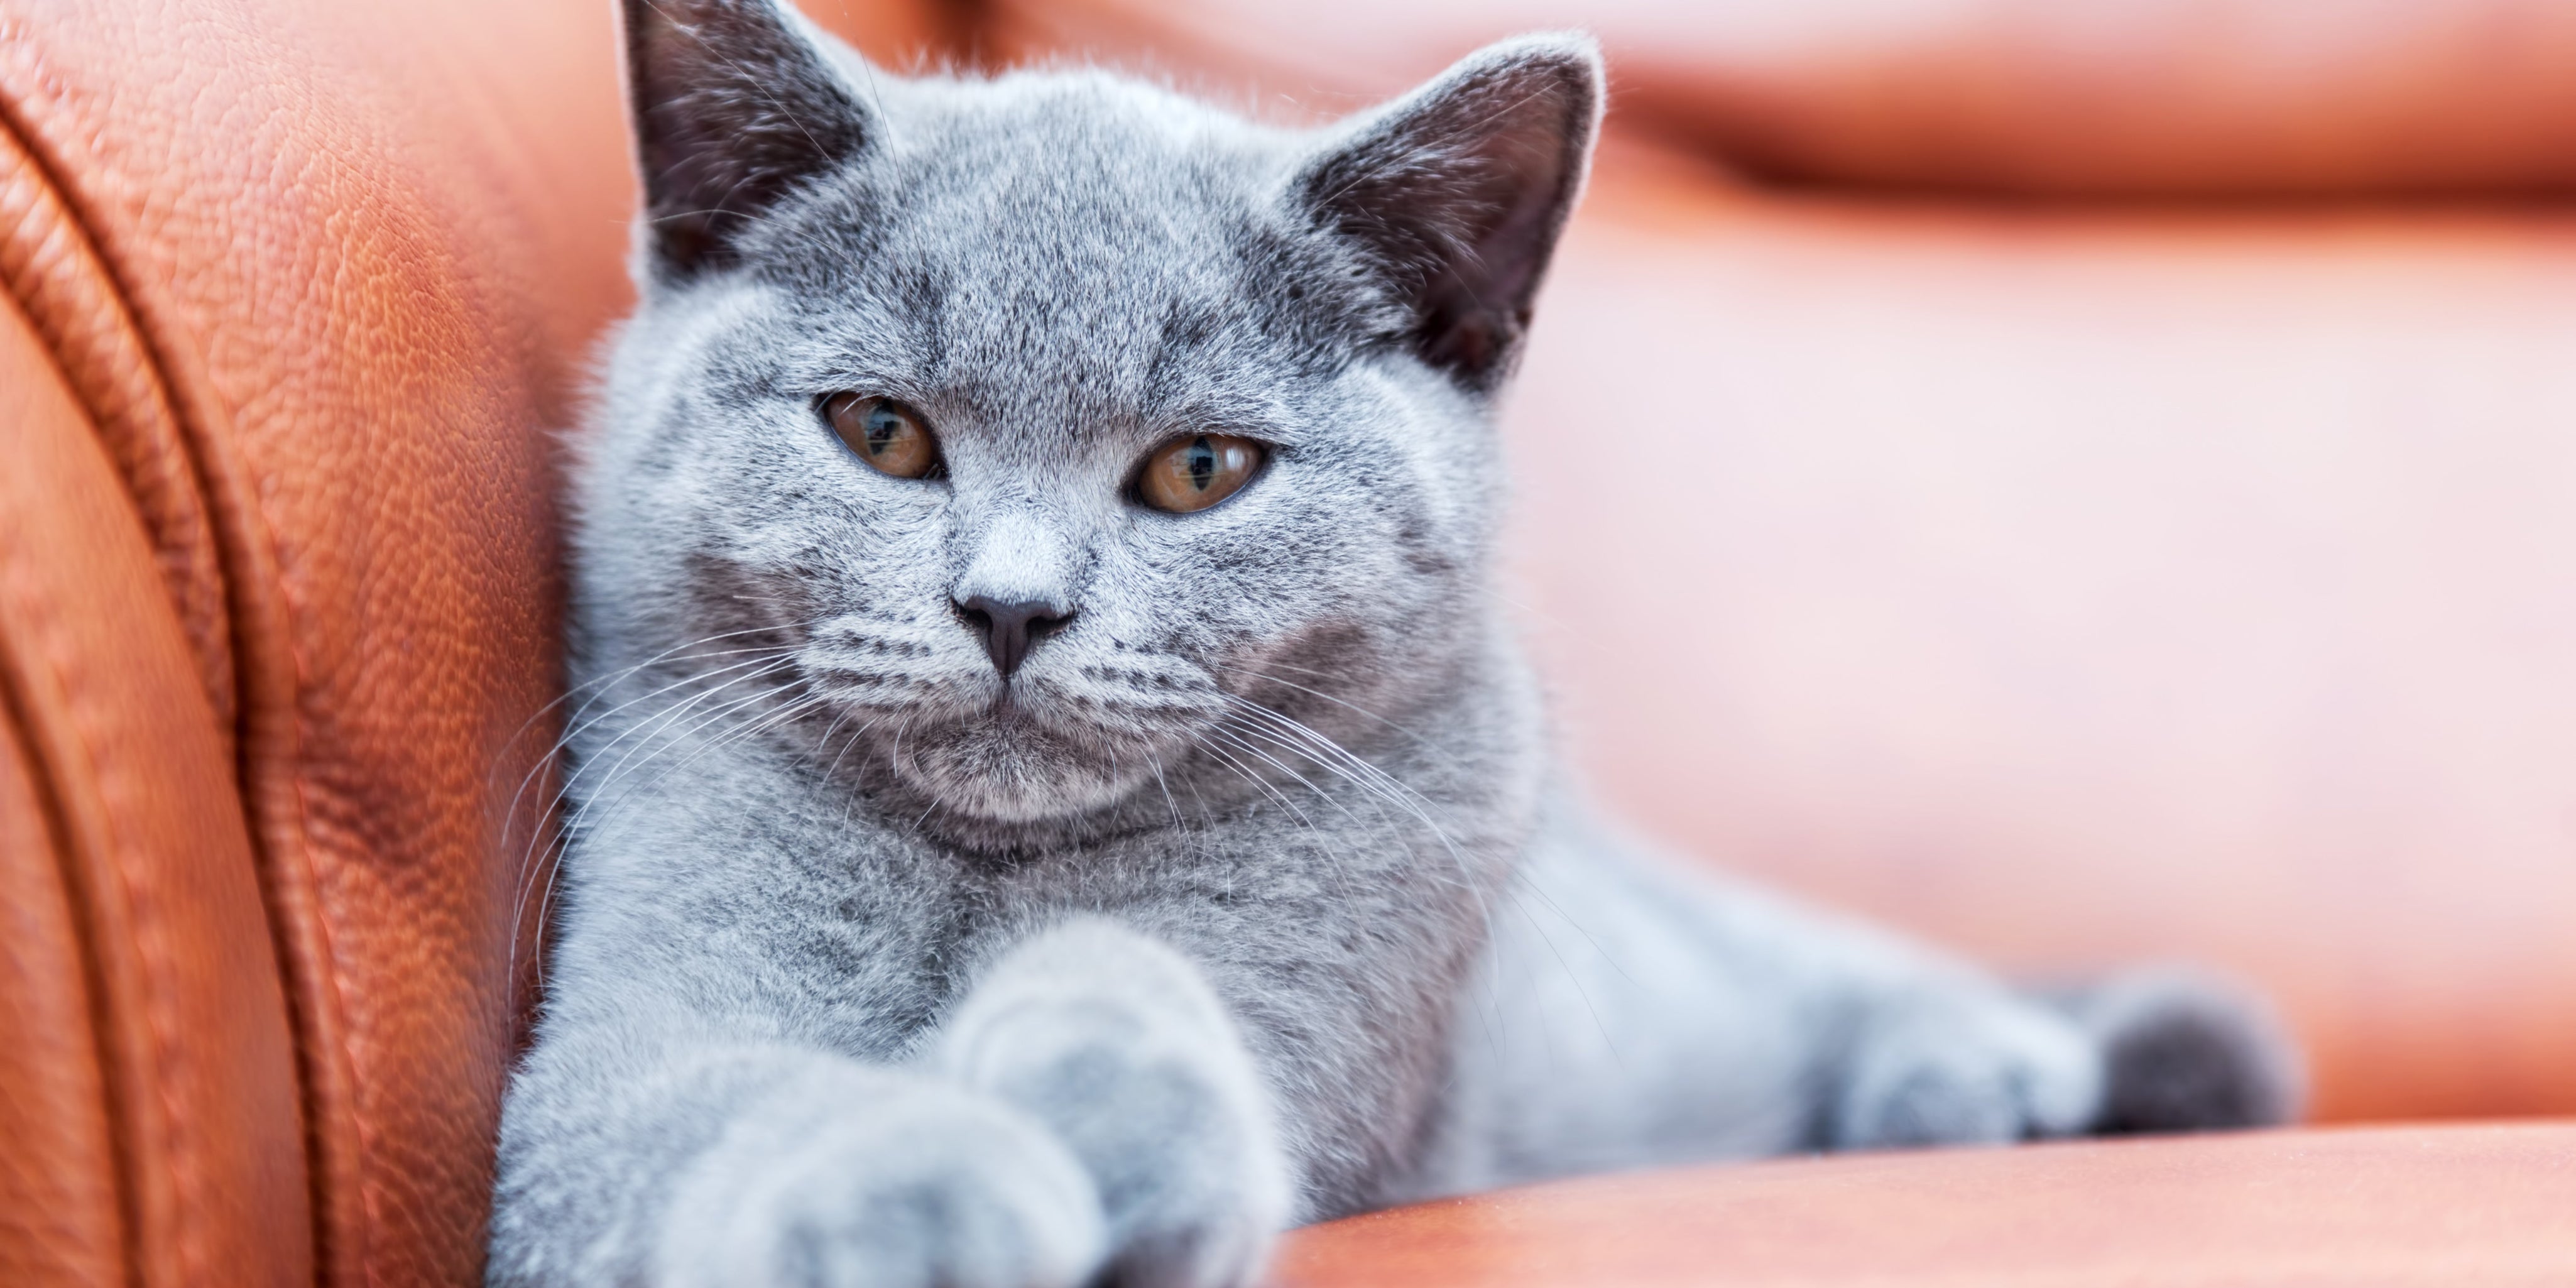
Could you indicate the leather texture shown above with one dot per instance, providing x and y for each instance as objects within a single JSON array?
[
  {"x": 60, "y": 1223},
  {"x": 147, "y": 1079},
  {"x": 321, "y": 275},
  {"x": 2083, "y": 98},
  {"x": 2487, "y": 1206},
  {"x": 51, "y": 267}
]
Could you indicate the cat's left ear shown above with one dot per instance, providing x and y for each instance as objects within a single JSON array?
[
  {"x": 736, "y": 105},
  {"x": 1457, "y": 192}
]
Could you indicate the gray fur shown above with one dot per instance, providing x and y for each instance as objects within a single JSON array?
[{"x": 1251, "y": 898}]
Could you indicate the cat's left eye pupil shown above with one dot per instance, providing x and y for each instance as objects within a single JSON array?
[
  {"x": 1202, "y": 464},
  {"x": 883, "y": 426}
]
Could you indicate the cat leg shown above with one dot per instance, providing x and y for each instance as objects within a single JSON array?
[
  {"x": 1117, "y": 1044},
  {"x": 1947, "y": 1057},
  {"x": 695, "y": 1166},
  {"x": 1630, "y": 1014},
  {"x": 1634, "y": 1012},
  {"x": 2178, "y": 1050}
]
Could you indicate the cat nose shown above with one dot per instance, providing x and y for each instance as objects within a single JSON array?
[{"x": 1011, "y": 630}]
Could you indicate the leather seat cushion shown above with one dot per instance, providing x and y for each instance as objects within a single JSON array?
[{"x": 2493, "y": 1206}]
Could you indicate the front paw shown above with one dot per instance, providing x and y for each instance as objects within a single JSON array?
[
  {"x": 1962, "y": 1071},
  {"x": 1117, "y": 1045},
  {"x": 932, "y": 1188}
]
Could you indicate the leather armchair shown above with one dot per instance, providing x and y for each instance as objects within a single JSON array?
[{"x": 2074, "y": 530}]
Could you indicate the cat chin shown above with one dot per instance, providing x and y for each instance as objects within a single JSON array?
[
  {"x": 1010, "y": 782},
  {"x": 1028, "y": 834}
]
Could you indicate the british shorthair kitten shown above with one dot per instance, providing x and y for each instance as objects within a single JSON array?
[{"x": 1055, "y": 801}]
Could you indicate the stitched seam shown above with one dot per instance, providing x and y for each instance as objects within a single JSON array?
[
  {"x": 239, "y": 529},
  {"x": 78, "y": 892},
  {"x": 185, "y": 1166},
  {"x": 64, "y": 324},
  {"x": 148, "y": 932},
  {"x": 328, "y": 976}
]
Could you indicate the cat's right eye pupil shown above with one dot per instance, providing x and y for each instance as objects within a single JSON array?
[{"x": 884, "y": 433}]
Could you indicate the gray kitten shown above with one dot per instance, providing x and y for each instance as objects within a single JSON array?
[{"x": 1055, "y": 801}]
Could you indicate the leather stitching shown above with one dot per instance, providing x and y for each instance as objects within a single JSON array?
[
  {"x": 49, "y": 262},
  {"x": 247, "y": 556},
  {"x": 80, "y": 887}
]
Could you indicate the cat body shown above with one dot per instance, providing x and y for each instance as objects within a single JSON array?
[{"x": 978, "y": 875}]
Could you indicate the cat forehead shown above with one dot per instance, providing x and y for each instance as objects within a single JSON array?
[
  {"x": 1069, "y": 170},
  {"x": 1086, "y": 125},
  {"x": 1064, "y": 230}
]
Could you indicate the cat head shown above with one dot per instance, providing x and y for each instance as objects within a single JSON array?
[{"x": 1007, "y": 442}]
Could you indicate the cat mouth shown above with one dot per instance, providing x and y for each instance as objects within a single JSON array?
[
  {"x": 1007, "y": 707},
  {"x": 1013, "y": 766},
  {"x": 969, "y": 754}
]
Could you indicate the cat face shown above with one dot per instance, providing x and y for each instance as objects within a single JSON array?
[{"x": 1085, "y": 455}]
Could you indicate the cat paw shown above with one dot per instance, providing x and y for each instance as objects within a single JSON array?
[
  {"x": 2185, "y": 1051},
  {"x": 936, "y": 1189},
  {"x": 1987, "y": 1070},
  {"x": 1116, "y": 1043}
]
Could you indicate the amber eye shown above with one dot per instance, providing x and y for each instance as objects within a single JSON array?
[
  {"x": 885, "y": 434},
  {"x": 1194, "y": 473}
]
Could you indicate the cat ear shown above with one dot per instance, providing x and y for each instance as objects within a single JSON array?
[
  {"x": 735, "y": 106},
  {"x": 1457, "y": 193}
]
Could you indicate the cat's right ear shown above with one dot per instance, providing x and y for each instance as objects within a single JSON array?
[{"x": 735, "y": 107}]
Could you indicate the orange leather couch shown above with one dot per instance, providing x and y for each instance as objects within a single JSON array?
[{"x": 2084, "y": 480}]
